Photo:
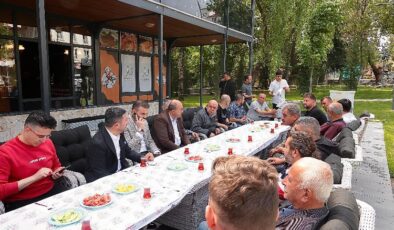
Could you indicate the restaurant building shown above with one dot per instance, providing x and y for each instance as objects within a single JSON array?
[{"x": 75, "y": 58}]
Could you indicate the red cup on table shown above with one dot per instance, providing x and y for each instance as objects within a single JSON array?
[
  {"x": 250, "y": 139},
  {"x": 276, "y": 125},
  {"x": 143, "y": 162},
  {"x": 272, "y": 130},
  {"x": 230, "y": 151},
  {"x": 200, "y": 166},
  {"x": 147, "y": 194},
  {"x": 186, "y": 152}
]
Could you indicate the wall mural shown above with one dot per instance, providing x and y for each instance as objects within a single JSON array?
[
  {"x": 128, "y": 73},
  {"x": 145, "y": 75}
]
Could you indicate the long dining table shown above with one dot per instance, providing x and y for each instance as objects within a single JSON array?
[{"x": 170, "y": 177}]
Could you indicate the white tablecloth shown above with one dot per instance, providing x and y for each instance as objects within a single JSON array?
[{"x": 167, "y": 187}]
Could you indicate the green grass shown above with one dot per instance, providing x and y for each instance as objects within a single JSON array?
[{"x": 382, "y": 110}]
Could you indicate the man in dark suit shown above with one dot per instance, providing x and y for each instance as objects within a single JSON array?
[
  {"x": 108, "y": 151},
  {"x": 168, "y": 127}
]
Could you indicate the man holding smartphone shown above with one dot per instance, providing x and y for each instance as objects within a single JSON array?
[
  {"x": 137, "y": 132},
  {"x": 30, "y": 169}
]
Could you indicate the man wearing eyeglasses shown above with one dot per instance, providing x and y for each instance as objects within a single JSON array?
[{"x": 29, "y": 165}]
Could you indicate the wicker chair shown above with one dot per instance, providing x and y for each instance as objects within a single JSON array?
[
  {"x": 367, "y": 216},
  {"x": 346, "y": 182},
  {"x": 356, "y": 161}
]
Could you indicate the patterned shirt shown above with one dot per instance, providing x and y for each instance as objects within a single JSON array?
[
  {"x": 294, "y": 219},
  {"x": 236, "y": 111}
]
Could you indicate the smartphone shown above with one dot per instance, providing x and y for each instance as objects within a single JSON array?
[{"x": 62, "y": 170}]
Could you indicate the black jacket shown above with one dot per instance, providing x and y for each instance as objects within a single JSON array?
[
  {"x": 101, "y": 155},
  {"x": 228, "y": 87}
]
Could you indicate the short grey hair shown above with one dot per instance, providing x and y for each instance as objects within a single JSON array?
[
  {"x": 335, "y": 108},
  {"x": 225, "y": 97},
  {"x": 315, "y": 175},
  {"x": 310, "y": 125},
  {"x": 293, "y": 109}
]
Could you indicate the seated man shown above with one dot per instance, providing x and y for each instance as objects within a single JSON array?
[
  {"x": 108, "y": 151},
  {"x": 237, "y": 111},
  {"x": 137, "y": 132},
  {"x": 333, "y": 127},
  {"x": 347, "y": 116},
  {"x": 328, "y": 150},
  {"x": 168, "y": 127},
  {"x": 259, "y": 109},
  {"x": 242, "y": 195},
  {"x": 312, "y": 110},
  {"x": 222, "y": 113},
  {"x": 307, "y": 187},
  {"x": 205, "y": 120},
  {"x": 29, "y": 167},
  {"x": 325, "y": 102}
]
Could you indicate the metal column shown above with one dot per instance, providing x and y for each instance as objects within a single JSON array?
[
  {"x": 226, "y": 11},
  {"x": 201, "y": 69},
  {"x": 253, "y": 7},
  {"x": 160, "y": 62},
  {"x": 43, "y": 55}
]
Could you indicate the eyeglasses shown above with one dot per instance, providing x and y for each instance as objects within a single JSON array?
[{"x": 40, "y": 135}]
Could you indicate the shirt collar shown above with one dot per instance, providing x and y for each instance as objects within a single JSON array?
[{"x": 114, "y": 137}]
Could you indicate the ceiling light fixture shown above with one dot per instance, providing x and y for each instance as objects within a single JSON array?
[
  {"x": 21, "y": 47},
  {"x": 149, "y": 25}
]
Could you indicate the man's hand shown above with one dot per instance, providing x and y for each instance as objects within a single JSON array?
[
  {"x": 217, "y": 131},
  {"x": 58, "y": 173},
  {"x": 276, "y": 160},
  {"x": 195, "y": 136},
  {"x": 211, "y": 134},
  {"x": 140, "y": 123},
  {"x": 276, "y": 150},
  {"x": 149, "y": 156},
  {"x": 42, "y": 173}
]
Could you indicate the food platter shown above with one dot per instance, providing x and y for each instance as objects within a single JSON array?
[
  {"x": 96, "y": 201},
  {"x": 233, "y": 140},
  {"x": 194, "y": 159},
  {"x": 177, "y": 166},
  {"x": 212, "y": 147},
  {"x": 66, "y": 217},
  {"x": 125, "y": 188}
]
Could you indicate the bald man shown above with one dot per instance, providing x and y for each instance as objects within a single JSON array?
[
  {"x": 205, "y": 120},
  {"x": 259, "y": 109},
  {"x": 333, "y": 127},
  {"x": 168, "y": 127}
]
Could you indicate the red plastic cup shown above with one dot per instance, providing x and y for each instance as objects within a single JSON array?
[
  {"x": 200, "y": 166},
  {"x": 250, "y": 139},
  {"x": 272, "y": 130},
  {"x": 230, "y": 151},
  {"x": 276, "y": 125},
  {"x": 186, "y": 152},
  {"x": 143, "y": 162},
  {"x": 147, "y": 194}
]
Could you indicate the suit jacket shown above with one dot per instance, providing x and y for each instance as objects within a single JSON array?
[
  {"x": 164, "y": 133},
  {"x": 101, "y": 155},
  {"x": 135, "y": 142}
]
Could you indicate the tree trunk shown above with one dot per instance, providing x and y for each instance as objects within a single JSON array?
[
  {"x": 378, "y": 72},
  {"x": 181, "y": 71},
  {"x": 311, "y": 80}
]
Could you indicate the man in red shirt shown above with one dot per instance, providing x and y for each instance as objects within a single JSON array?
[{"x": 29, "y": 164}]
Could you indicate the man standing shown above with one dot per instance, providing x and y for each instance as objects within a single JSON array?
[
  {"x": 29, "y": 167},
  {"x": 137, "y": 133},
  {"x": 278, "y": 89},
  {"x": 247, "y": 90},
  {"x": 227, "y": 86},
  {"x": 312, "y": 110},
  {"x": 205, "y": 120},
  {"x": 333, "y": 127},
  {"x": 108, "y": 151},
  {"x": 307, "y": 187},
  {"x": 168, "y": 127},
  {"x": 259, "y": 109}
]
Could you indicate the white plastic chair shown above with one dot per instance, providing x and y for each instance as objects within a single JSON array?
[{"x": 367, "y": 216}]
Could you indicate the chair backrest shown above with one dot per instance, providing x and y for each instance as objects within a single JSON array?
[
  {"x": 367, "y": 216},
  {"x": 188, "y": 116},
  {"x": 343, "y": 211},
  {"x": 346, "y": 143},
  {"x": 71, "y": 146}
]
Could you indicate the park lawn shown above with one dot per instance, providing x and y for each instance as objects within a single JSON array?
[{"x": 382, "y": 111}]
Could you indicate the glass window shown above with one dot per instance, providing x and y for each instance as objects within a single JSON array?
[
  {"x": 30, "y": 72},
  {"x": 6, "y": 22},
  {"x": 109, "y": 38},
  {"x": 157, "y": 47},
  {"x": 128, "y": 42},
  {"x": 146, "y": 44},
  {"x": 59, "y": 34},
  {"x": 60, "y": 70},
  {"x": 8, "y": 80},
  {"x": 83, "y": 76},
  {"x": 81, "y": 35},
  {"x": 26, "y": 25}
]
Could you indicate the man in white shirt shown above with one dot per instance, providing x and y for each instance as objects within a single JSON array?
[
  {"x": 278, "y": 89},
  {"x": 259, "y": 109},
  {"x": 347, "y": 116},
  {"x": 108, "y": 151}
]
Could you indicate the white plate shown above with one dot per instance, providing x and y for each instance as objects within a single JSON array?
[
  {"x": 79, "y": 215},
  {"x": 136, "y": 188}
]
